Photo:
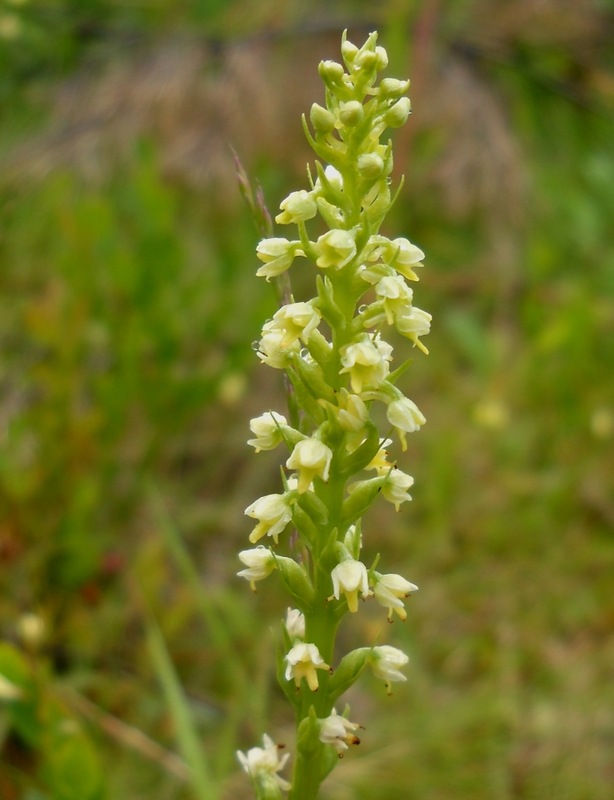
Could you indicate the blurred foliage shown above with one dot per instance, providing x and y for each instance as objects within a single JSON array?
[
  {"x": 34, "y": 712},
  {"x": 127, "y": 307}
]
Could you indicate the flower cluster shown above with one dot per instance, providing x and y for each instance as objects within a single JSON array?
[{"x": 334, "y": 351}]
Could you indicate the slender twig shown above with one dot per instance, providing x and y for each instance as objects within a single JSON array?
[{"x": 127, "y": 735}]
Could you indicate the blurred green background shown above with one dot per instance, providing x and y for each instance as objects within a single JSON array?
[{"x": 128, "y": 304}]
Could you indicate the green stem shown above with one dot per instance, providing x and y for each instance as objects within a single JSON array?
[{"x": 307, "y": 781}]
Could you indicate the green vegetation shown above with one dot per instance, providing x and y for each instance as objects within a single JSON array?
[{"x": 128, "y": 304}]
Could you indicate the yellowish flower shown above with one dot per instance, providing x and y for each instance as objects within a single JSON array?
[
  {"x": 263, "y": 763},
  {"x": 297, "y": 207},
  {"x": 386, "y": 663},
  {"x": 350, "y": 577},
  {"x": 303, "y": 660},
  {"x": 338, "y": 731},
  {"x": 273, "y": 514},
  {"x": 405, "y": 416},
  {"x": 335, "y": 248},
  {"x": 267, "y": 430},
  {"x": 366, "y": 361},
  {"x": 389, "y": 590},
  {"x": 272, "y": 349},
  {"x": 260, "y": 562},
  {"x": 296, "y": 321},
  {"x": 395, "y": 488},
  {"x": 311, "y": 458},
  {"x": 277, "y": 254},
  {"x": 413, "y": 324},
  {"x": 395, "y": 296},
  {"x": 406, "y": 256}
]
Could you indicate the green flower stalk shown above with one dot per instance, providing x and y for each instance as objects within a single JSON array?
[{"x": 333, "y": 350}]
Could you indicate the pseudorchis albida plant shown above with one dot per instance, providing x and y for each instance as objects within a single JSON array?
[{"x": 339, "y": 367}]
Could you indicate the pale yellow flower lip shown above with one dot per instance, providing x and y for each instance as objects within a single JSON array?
[{"x": 303, "y": 660}]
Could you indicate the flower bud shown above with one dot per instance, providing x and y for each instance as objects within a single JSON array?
[
  {"x": 370, "y": 166},
  {"x": 331, "y": 72},
  {"x": 391, "y": 87},
  {"x": 396, "y": 116},
  {"x": 348, "y": 51},
  {"x": 307, "y": 742},
  {"x": 295, "y": 624},
  {"x": 330, "y": 177},
  {"x": 353, "y": 540},
  {"x": 381, "y": 58},
  {"x": 322, "y": 119},
  {"x": 366, "y": 60},
  {"x": 297, "y": 207},
  {"x": 351, "y": 113}
]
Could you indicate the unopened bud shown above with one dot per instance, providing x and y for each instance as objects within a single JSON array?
[
  {"x": 331, "y": 72},
  {"x": 348, "y": 51},
  {"x": 397, "y": 115},
  {"x": 321, "y": 119},
  {"x": 367, "y": 60},
  {"x": 391, "y": 87},
  {"x": 351, "y": 113},
  {"x": 381, "y": 59},
  {"x": 370, "y": 165}
]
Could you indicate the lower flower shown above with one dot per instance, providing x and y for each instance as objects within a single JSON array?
[
  {"x": 273, "y": 514},
  {"x": 338, "y": 731},
  {"x": 262, "y": 763},
  {"x": 260, "y": 562},
  {"x": 386, "y": 663}
]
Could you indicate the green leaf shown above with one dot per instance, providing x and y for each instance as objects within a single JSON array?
[
  {"x": 20, "y": 695},
  {"x": 295, "y": 580},
  {"x": 348, "y": 671},
  {"x": 74, "y": 771},
  {"x": 187, "y": 735}
]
